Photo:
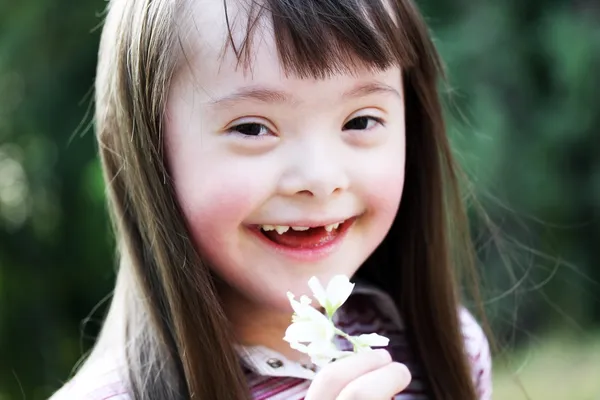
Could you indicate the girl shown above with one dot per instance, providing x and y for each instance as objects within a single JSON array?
[{"x": 249, "y": 145}]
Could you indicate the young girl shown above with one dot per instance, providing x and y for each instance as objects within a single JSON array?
[{"x": 249, "y": 145}]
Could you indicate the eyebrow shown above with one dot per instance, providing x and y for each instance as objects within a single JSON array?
[
  {"x": 266, "y": 95},
  {"x": 371, "y": 88}
]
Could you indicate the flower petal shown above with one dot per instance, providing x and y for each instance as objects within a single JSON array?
[
  {"x": 305, "y": 300},
  {"x": 314, "y": 315},
  {"x": 321, "y": 353},
  {"x": 303, "y": 310},
  {"x": 300, "y": 347},
  {"x": 294, "y": 303},
  {"x": 372, "y": 340},
  {"x": 308, "y": 331},
  {"x": 338, "y": 290},
  {"x": 318, "y": 291}
]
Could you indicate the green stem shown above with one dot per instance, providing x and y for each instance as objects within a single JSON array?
[{"x": 344, "y": 335}]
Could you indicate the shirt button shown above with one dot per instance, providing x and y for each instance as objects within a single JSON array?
[
  {"x": 310, "y": 367},
  {"x": 275, "y": 363}
]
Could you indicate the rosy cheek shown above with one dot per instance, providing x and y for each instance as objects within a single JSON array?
[
  {"x": 214, "y": 212},
  {"x": 218, "y": 205},
  {"x": 389, "y": 187},
  {"x": 383, "y": 199}
]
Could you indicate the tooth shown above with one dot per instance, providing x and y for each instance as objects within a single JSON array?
[
  {"x": 331, "y": 227},
  {"x": 300, "y": 228},
  {"x": 267, "y": 228},
  {"x": 282, "y": 229}
]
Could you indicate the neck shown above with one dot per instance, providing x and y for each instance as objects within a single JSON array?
[{"x": 256, "y": 325}]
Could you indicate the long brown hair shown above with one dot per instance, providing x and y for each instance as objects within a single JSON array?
[{"x": 166, "y": 314}]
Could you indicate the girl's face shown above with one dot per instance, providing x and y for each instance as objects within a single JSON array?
[{"x": 257, "y": 157}]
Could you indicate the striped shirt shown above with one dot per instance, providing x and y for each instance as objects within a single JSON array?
[{"x": 273, "y": 377}]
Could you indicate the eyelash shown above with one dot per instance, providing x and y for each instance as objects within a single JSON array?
[
  {"x": 378, "y": 121},
  {"x": 236, "y": 128}
]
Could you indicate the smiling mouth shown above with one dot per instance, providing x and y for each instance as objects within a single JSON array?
[{"x": 299, "y": 237}]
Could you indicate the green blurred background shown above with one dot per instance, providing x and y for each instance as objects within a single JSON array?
[{"x": 524, "y": 95}]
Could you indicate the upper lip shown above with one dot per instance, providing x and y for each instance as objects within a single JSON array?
[{"x": 308, "y": 223}]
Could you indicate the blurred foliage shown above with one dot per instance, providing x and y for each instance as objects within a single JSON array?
[
  {"x": 525, "y": 113},
  {"x": 541, "y": 365}
]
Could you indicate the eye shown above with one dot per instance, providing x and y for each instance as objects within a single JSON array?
[
  {"x": 361, "y": 123},
  {"x": 250, "y": 129}
]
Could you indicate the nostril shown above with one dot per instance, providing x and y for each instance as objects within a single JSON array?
[{"x": 315, "y": 193}]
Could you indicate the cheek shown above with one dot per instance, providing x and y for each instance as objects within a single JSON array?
[
  {"x": 216, "y": 204},
  {"x": 384, "y": 199},
  {"x": 382, "y": 184},
  {"x": 382, "y": 178},
  {"x": 385, "y": 188},
  {"x": 215, "y": 195},
  {"x": 214, "y": 211}
]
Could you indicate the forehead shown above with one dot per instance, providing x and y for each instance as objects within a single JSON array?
[
  {"x": 241, "y": 39},
  {"x": 214, "y": 36}
]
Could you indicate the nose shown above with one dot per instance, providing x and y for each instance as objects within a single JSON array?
[{"x": 314, "y": 170}]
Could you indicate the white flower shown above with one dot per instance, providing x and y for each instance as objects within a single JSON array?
[
  {"x": 321, "y": 352},
  {"x": 308, "y": 324},
  {"x": 337, "y": 292},
  {"x": 312, "y": 333},
  {"x": 366, "y": 341}
]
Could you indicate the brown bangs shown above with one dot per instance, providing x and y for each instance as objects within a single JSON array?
[{"x": 320, "y": 38}]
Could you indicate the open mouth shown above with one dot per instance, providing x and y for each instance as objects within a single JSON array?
[{"x": 304, "y": 237}]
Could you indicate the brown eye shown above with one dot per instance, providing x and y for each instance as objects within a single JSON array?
[
  {"x": 361, "y": 123},
  {"x": 250, "y": 129}
]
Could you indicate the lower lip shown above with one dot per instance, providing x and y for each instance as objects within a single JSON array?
[{"x": 308, "y": 254}]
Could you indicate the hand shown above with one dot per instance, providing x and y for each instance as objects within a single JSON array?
[{"x": 370, "y": 375}]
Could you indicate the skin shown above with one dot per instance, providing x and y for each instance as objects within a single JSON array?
[
  {"x": 305, "y": 165},
  {"x": 365, "y": 376}
]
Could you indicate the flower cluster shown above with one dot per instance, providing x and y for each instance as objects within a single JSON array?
[{"x": 312, "y": 332}]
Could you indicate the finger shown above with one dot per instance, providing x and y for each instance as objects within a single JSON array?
[
  {"x": 382, "y": 384},
  {"x": 330, "y": 381}
]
